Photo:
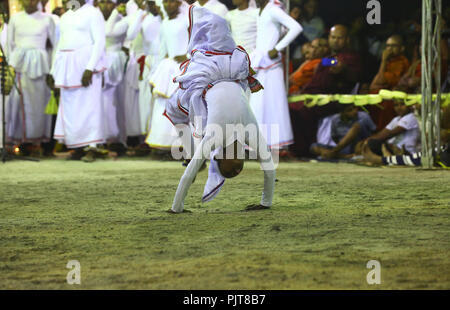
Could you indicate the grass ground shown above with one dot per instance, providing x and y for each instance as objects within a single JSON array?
[{"x": 327, "y": 222}]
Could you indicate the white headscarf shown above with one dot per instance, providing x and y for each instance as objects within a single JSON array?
[{"x": 215, "y": 180}]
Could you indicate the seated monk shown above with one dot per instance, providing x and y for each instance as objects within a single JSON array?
[
  {"x": 340, "y": 78},
  {"x": 316, "y": 51},
  {"x": 393, "y": 66}
]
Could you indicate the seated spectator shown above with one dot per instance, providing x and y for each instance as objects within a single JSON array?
[
  {"x": 401, "y": 135},
  {"x": 394, "y": 65},
  {"x": 415, "y": 159},
  {"x": 342, "y": 77},
  {"x": 347, "y": 128},
  {"x": 313, "y": 25},
  {"x": 410, "y": 82},
  {"x": 313, "y": 55},
  {"x": 305, "y": 13},
  {"x": 338, "y": 79}
]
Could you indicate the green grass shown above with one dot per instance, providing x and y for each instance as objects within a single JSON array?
[{"x": 327, "y": 222}]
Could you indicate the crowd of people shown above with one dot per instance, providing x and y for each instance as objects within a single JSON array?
[{"x": 97, "y": 76}]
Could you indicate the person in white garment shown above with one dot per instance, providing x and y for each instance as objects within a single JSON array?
[
  {"x": 3, "y": 43},
  {"x": 3, "y": 30},
  {"x": 77, "y": 70},
  {"x": 28, "y": 33},
  {"x": 131, "y": 84},
  {"x": 148, "y": 23},
  {"x": 214, "y": 6},
  {"x": 270, "y": 106},
  {"x": 174, "y": 38},
  {"x": 9, "y": 74},
  {"x": 113, "y": 92},
  {"x": 212, "y": 97},
  {"x": 242, "y": 21}
]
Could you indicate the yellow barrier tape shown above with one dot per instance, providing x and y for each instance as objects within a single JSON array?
[{"x": 362, "y": 100}]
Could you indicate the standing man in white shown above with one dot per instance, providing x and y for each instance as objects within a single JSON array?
[
  {"x": 243, "y": 24},
  {"x": 113, "y": 89},
  {"x": 76, "y": 70},
  {"x": 174, "y": 39},
  {"x": 148, "y": 23},
  {"x": 214, "y": 6},
  {"x": 28, "y": 33},
  {"x": 212, "y": 97},
  {"x": 270, "y": 106},
  {"x": 136, "y": 51}
]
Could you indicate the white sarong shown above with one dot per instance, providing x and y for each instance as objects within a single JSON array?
[
  {"x": 270, "y": 105},
  {"x": 26, "y": 118},
  {"x": 80, "y": 119},
  {"x": 162, "y": 133},
  {"x": 113, "y": 97},
  {"x": 131, "y": 95}
]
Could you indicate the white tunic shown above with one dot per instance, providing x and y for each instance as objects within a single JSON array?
[
  {"x": 269, "y": 24},
  {"x": 410, "y": 138},
  {"x": 4, "y": 38},
  {"x": 116, "y": 31},
  {"x": 174, "y": 39},
  {"x": 174, "y": 36},
  {"x": 81, "y": 46},
  {"x": 27, "y": 39},
  {"x": 243, "y": 25},
  {"x": 214, "y": 6}
]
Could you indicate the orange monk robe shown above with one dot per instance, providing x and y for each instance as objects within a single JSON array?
[
  {"x": 303, "y": 75},
  {"x": 395, "y": 69}
]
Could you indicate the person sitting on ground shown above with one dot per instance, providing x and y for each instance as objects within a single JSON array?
[
  {"x": 347, "y": 128},
  {"x": 394, "y": 65},
  {"x": 401, "y": 135},
  {"x": 415, "y": 159},
  {"x": 314, "y": 52}
]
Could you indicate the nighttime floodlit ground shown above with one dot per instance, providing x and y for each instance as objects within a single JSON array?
[{"x": 328, "y": 220}]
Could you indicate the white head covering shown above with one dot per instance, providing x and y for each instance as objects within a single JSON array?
[{"x": 215, "y": 180}]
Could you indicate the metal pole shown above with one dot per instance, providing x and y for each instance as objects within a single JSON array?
[
  {"x": 431, "y": 80},
  {"x": 437, "y": 104}
]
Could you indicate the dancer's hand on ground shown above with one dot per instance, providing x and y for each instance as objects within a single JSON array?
[
  {"x": 255, "y": 207},
  {"x": 173, "y": 212},
  {"x": 86, "y": 80}
]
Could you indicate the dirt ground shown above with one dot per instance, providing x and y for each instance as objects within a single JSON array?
[{"x": 328, "y": 220}]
